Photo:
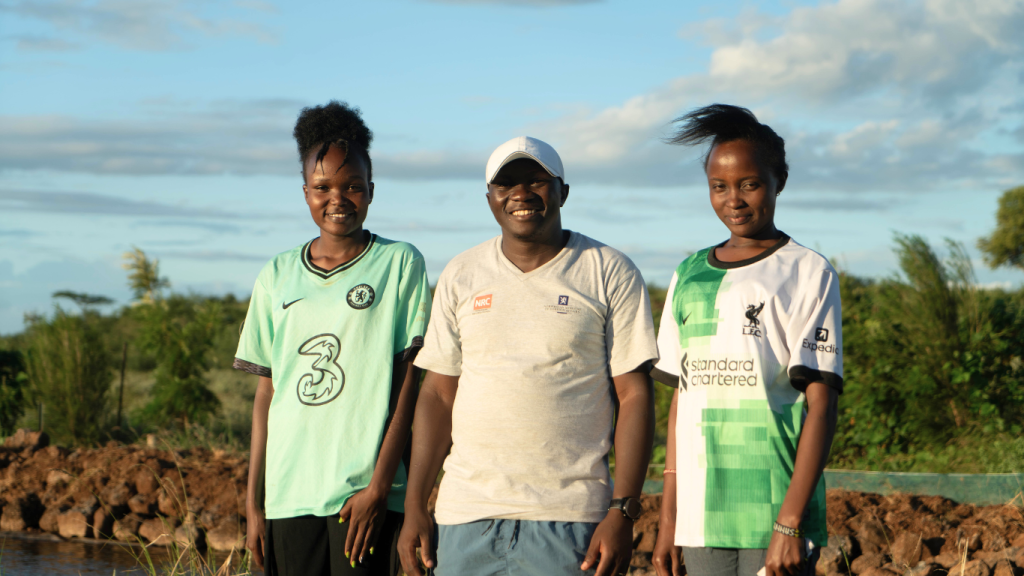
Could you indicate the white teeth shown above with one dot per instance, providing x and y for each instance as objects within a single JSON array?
[{"x": 524, "y": 212}]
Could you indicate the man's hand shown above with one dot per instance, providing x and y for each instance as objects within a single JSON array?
[
  {"x": 255, "y": 531},
  {"x": 785, "y": 555},
  {"x": 667, "y": 555},
  {"x": 365, "y": 510},
  {"x": 611, "y": 548},
  {"x": 416, "y": 533}
]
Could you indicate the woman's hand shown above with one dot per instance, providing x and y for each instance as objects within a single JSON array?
[
  {"x": 667, "y": 557},
  {"x": 365, "y": 510},
  {"x": 255, "y": 531},
  {"x": 786, "y": 555}
]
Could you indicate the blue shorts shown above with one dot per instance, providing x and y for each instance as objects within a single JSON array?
[{"x": 512, "y": 547}]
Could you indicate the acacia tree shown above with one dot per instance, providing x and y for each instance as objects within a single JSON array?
[{"x": 1005, "y": 247}]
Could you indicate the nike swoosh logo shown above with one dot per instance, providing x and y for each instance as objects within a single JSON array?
[
  {"x": 687, "y": 318},
  {"x": 285, "y": 306}
]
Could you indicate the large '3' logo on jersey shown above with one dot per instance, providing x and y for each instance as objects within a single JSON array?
[{"x": 327, "y": 378}]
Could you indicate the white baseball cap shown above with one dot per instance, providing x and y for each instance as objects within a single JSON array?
[{"x": 525, "y": 147}]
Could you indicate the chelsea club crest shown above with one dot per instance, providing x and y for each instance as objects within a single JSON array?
[{"x": 360, "y": 297}]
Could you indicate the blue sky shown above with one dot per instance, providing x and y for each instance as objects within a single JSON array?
[{"x": 167, "y": 125}]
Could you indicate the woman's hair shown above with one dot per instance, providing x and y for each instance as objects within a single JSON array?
[
  {"x": 722, "y": 123},
  {"x": 338, "y": 124}
]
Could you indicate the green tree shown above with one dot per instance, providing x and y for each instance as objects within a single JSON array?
[
  {"x": 84, "y": 301},
  {"x": 144, "y": 275},
  {"x": 69, "y": 367},
  {"x": 180, "y": 332},
  {"x": 928, "y": 358},
  {"x": 1005, "y": 247},
  {"x": 12, "y": 385}
]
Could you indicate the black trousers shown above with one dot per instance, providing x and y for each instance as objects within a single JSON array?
[{"x": 315, "y": 546}]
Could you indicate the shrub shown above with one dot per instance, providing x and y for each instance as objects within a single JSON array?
[{"x": 70, "y": 370}]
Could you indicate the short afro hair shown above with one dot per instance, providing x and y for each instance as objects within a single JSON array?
[
  {"x": 335, "y": 123},
  {"x": 720, "y": 123}
]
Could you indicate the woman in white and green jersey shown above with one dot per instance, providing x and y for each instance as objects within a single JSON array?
[
  {"x": 751, "y": 334},
  {"x": 332, "y": 329}
]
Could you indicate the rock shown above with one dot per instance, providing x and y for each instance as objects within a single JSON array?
[
  {"x": 102, "y": 523},
  {"x": 188, "y": 535},
  {"x": 878, "y": 572},
  {"x": 25, "y": 438},
  {"x": 871, "y": 533},
  {"x": 925, "y": 568},
  {"x": 970, "y": 536},
  {"x": 21, "y": 514},
  {"x": 1019, "y": 559},
  {"x": 73, "y": 524},
  {"x": 227, "y": 536},
  {"x": 141, "y": 504},
  {"x": 1004, "y": 568},
  {"x": 975, "y": 568},
  {"x": 836, "y": 557},
  {"x": 87, "y": 504},
  {"x": 993, "y": 542},
  {"x": 947, "y": 559},
  {"x": 169, "y": 504},
  {"x": 159, "y": 531},
  {"x": 1019, "y": 543},
  {"x": 907, "y": 550},
  {"x": 57, "y": 477},
  {"x": 115, "y": 495},
  {"x": 48, "y": 521},
  {"x": 863, "y": 563},
  {"x": 126, "y": 529},
  {"x": 146, "y": 481}
]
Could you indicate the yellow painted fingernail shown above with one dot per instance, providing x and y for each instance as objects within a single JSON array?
[
  {"x": 341, "y": 519},
  {"x": 346, "y": 553},
  {"x": 353, "y": 563},
  {"x": 371, "y": 549}
]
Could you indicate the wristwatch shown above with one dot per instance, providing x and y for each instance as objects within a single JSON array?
[{"x": 630, "y": 507}]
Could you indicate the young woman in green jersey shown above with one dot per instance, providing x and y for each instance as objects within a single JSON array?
[
  {"x": 332, "y": 328},
  {"x": 751, "y": 335}
]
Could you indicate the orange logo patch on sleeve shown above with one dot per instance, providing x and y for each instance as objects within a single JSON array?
[{"x": 481, "y": 302}]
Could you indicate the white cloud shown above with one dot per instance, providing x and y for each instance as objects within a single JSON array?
[
  {"x": 150, "y": 26},
  {"x": 869, "y": 94}
]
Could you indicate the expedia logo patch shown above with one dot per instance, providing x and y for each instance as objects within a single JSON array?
[
  {"x": 826, "y": 348},
  {"x": 821, "y": 334},
  {"x": 482, "y": 302}
]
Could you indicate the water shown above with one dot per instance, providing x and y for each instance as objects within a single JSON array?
[{"x": 43, "y": 558}]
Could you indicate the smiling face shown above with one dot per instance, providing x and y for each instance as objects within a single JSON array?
[
  {"x": 743, "y": 189},
  {"x": 338, "y": 192},
  {"x": 526, "y": 201}
]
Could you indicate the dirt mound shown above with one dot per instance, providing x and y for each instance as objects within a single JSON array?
[
  {"x": 163, "y": 496},
  {"x": 122, "y": 492}
]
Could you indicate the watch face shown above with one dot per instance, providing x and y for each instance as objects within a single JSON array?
[{"x": 632, "y": 508}]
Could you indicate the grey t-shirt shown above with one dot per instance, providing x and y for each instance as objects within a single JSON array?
[{"x": 535, "y": 354}]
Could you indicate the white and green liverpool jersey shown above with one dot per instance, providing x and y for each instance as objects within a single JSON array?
[
  {"x": 745, "y": 339},
  {"x": 329, "y": 339}
]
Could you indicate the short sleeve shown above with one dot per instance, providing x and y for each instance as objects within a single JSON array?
[
  {"x": 629, "y": 328},
  {"x": 413, "y": 311},
  {"x": 668, "y": 334},
  {"x": 256, "y": 339},
  {"x": 442, "y": 346},
  {"x": 816, "y": 335}
]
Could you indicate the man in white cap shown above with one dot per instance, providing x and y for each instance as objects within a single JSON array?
[{"x": 537, "y": 338}]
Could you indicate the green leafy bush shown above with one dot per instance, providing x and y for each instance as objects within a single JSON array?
[{"x": 69, "y": 368}]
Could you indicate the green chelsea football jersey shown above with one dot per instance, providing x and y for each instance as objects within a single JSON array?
[{"x": 329, "y": 340}]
